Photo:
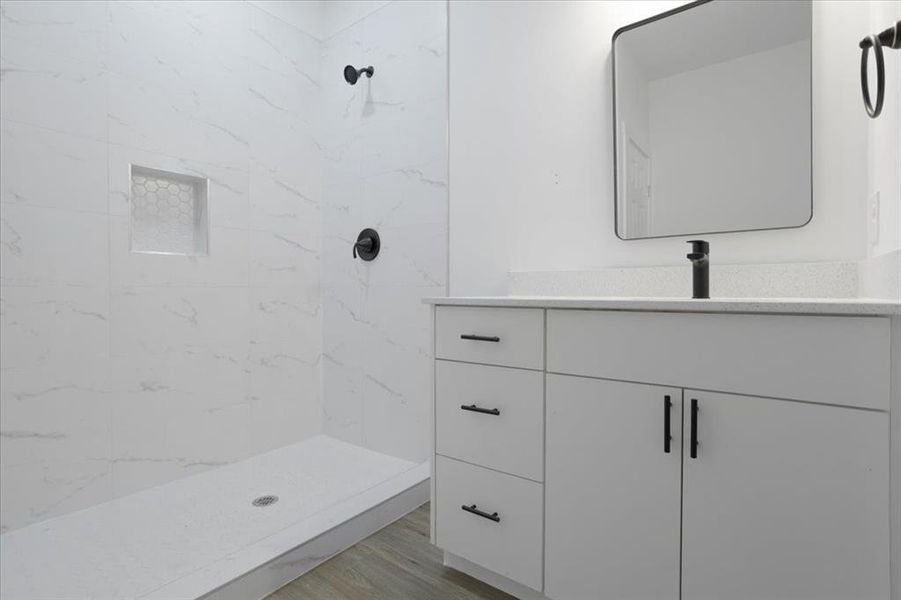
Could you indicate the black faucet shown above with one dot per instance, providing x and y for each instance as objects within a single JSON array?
[{"x": 700, "y": 268}]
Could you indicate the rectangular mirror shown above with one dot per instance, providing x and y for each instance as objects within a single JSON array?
[{"x": 712, "y": 114}]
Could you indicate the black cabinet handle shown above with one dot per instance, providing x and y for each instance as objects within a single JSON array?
[
  {"x": 480, "y": 338},
  {"x": 667, "y": 436},
  {"x": 479, "y": 409},
  {"x": 472, "y": 509},
  {"x": 694, "y": 428}
]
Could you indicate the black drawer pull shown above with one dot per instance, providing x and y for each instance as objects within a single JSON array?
[
  {"x": 480, "y": 338},
  {"x": 472, "y": 509},
  {"x": 667, "y": 436},
  {"x": 694, "y": 428},
  {"x": 479, "y": 409}
]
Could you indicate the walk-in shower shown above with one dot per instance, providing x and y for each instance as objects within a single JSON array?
[{"x": 185, "y": 328}]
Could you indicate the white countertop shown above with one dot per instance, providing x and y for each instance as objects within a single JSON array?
[{"x": 809, "y": 306}]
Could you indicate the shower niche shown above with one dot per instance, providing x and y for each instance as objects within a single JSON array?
[{"x": 168, "y": 212}]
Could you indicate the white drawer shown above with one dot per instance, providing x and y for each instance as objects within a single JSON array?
[
  {"x": 835, "y": 360},
  {"x": 512, "y": 337},
  {"x": 512, "y": 546},
  {"x": 510, "y": 437}
]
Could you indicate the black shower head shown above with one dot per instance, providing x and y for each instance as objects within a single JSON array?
[{"x": 352, "y": 74}]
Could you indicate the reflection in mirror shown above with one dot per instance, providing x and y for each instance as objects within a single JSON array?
[{"x": 712, "y": 109}]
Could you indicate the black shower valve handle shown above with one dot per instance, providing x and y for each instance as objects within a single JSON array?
[{"x": 367, "y": 245}]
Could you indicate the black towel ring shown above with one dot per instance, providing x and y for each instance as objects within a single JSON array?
[{"x": 890, "y": 38}]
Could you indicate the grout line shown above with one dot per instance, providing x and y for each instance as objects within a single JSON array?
[
  {"x": 79, "y": 136},
  {"x": 109, "y": 267}
]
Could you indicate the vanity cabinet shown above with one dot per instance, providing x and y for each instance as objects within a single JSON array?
[
  {"x": 784, "y": 499},
  {"x": 613, "y": 489},
  {"x": 792, "y": 490},
  {"x": 694, "y": 456}
]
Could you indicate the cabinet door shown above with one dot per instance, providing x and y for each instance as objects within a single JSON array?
[
  {"x": 784, "y": 500},
  {"x": 612, "y": 492}
]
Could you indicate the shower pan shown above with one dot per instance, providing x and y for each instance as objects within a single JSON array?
[{"x": 203, "y": 393}]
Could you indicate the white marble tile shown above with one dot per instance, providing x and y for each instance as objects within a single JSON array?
[
  {"x": 177, "y": 80},
  {"x": 47, "y": 323},
  {"x": 342, "y": 362},
  {"x": 411, "y": 255},
  {"x": 195, "y": 441},
  {"x": 180, "y": 121},
  {"x": 286, "y": 315},
  {"x": 169, "y": 41},
  {"x": 51, "y": 246},
  {"x": 160, "y": 320},
  {"x": 177, "y": 414},
  {"x": 275, "y": 46},
  {"x": 396, "y": 370},
  {"x": 57, "y": 411},
  {"x": 277, "y": 259},
  {"x": 33, "y": 493},
  {"x": 384, "y": 157},
  {"x": 305, "y": 16},
  {"x": 339, "y": 269},
  {"x": 195, "y": 379},
  {"x": 46, "y": 168},
  {"x": 53, "y": 90},
  {"x": 398, "y": 140},
  {"x": 338, "y": 16},
  {"x": 406, "y": 196},
  {"x": 399, "y": 29},
  {"x": 276, "y": 421},
  {"x": 342, "y": 150},
  {"x": 285, "y": 208},
  {"x": 56, "y": 26}
]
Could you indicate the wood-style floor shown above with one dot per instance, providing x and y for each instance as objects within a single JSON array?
[{"x": 395, "y": 563}]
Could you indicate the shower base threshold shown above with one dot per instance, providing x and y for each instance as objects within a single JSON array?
[{"x": 203, "y": 537}]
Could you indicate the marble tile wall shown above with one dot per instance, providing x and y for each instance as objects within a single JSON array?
[
  {"x": 384, "y": 166},
  {"x": 121, "y": 371}
]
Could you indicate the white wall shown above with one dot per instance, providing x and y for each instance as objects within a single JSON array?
[
  {"x": 384, "y": 143},
  {"x": 531, "y": 161},
  {"x": 122, "y": 371},
  {"x": 884, "y": 174}
]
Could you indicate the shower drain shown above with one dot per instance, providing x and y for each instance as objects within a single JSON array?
[{"x": 265, "y": 500}]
